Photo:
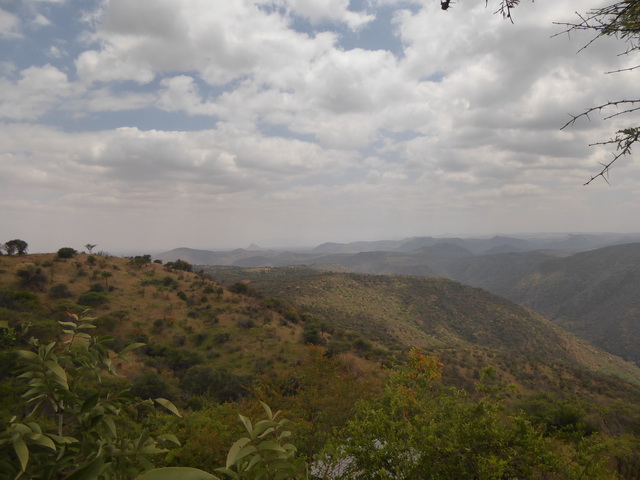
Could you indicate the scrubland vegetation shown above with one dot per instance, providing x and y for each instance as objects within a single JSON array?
[{"x": 113, "y": 367}]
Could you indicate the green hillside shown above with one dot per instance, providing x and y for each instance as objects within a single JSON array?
[
  {"x": 593, "y": 294},
  {"x": 468, "y": 327},
  {"x": 319, "y": 346}
]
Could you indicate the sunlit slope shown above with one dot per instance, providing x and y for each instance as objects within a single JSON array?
[{"x": 469, "y": 325}]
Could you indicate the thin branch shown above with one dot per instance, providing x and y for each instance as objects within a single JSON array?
[
  {"x": 599, "y": 108},
  {"x": 622, "y": 70},
  {"x": 623, "y": 140}
]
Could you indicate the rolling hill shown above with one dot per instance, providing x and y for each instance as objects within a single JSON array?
[
  {"x": 467, "y": 327},
  {"x": 594, "y": 294}
]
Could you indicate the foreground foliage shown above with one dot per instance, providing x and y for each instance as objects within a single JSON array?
[{"x": 76, "y": 422}]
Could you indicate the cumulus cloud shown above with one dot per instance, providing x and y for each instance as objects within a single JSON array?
[
  {"x": 258, "y": 113},
  {"x": 34, "y": 93},
  {"x": 9, "y": 25}
]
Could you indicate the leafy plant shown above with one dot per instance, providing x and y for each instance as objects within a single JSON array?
[
  {"x": 70, "y": 428},
  {"x": 265, "y": 453}
]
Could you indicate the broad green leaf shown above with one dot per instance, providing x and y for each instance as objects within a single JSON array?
[
  {"x": 266, "y": 432},
  {"x": 58, "y": 371},
  {"x": 27, "y": 355},
  {"x": 90, "y": 403},
  {"x": 252, "y": 463},
  {"x": 68, "y": 324},
  {"x": 262, "y": 426},
  {"x": 169, "y": 406},
  {"x": 63, "y": 440},
  {"x": 151, "y": 450},
  {"x": 35, "y": 428},
  {"x": 133, "y": 346},
  {"x": 226, "y": 471},
  {"x": 167, "y": 437},
  {"x": 235, "y": 449},
  {"x": 248, "y": 450},
  {"x": 48, "y": 348},
  {"x": 92, "y": 471},
  {"x": 142, "y": 439},
  {"x": 108, "y": 421},
  {"x": 271, "y": 445},
  {"x": 22, "y": 451},
  {"x": 21, "y": 428},
  {"x": 41, "y": 440},
  {"x": 267, "y": 409},
  {"x": 247, "y": 424},
  {"x": 176, "y": 473}
]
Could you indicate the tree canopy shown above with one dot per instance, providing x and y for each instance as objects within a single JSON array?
[{"x": 16, "y": 246}]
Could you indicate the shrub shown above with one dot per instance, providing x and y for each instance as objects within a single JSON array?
[
  {"x": 32, "y": 277},
  {"x": 92, "y": 299},
  {"x": 152, "y": 385},
  {"x": 67, "y": 252},
  {"x": 215, "y": 382},
  {"x": 19, "y": 300},
  {"x": 179, "y": 265},
  {"x": 312, "y": 334},
  {"x": 60, "y": 290}
]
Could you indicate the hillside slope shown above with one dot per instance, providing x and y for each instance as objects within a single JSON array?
[
  {"x": 594, "y": 294},
  {"x": 464, "y": 325}
]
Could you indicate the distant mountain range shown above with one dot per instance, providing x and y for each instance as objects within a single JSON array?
[
  {"x": 255, "y": 257},
  {"x": 588, "y": 284}
]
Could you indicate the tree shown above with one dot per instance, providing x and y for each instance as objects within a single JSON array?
[
  {"x": 90, "y": 247},
  {"x": 16, "y": 246},
  {"x": 67, "y": 252},
  {"x": 179, "y": 265},
  {"x": 421, "y": 430}
]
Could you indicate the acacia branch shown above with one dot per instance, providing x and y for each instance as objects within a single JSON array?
[
  {"x": 599, "y": 108},
  {"x": 623, "y": 140}
]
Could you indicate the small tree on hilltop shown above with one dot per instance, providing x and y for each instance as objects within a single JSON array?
[
  {"x": 90, "y": 247},
  {"x": 16, "y": 246},
  {"x": 67, "y": 252}
]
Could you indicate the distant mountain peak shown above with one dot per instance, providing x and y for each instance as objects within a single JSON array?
[{"x": 253, "y": 247}]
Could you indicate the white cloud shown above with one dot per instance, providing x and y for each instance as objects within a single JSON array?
[
  {"x": 34, "y": 93},
  {"x": 328, "y": 10},
  {"x": 9, "y": 25}
]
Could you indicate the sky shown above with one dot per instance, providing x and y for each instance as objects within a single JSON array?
[{"x": 147, "y": 125}]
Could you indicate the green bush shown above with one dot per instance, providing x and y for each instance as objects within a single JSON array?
[
  {"x": 60, "y": 290},
  {"x": 32, "y": 277},
  {"x": 67, "y": 252},
  {"x": 19, "y": 300},
  {"x": 152, "y": 385},
  {"x": 215, "y": 382},
  {"x": 92, "y": 299}
]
